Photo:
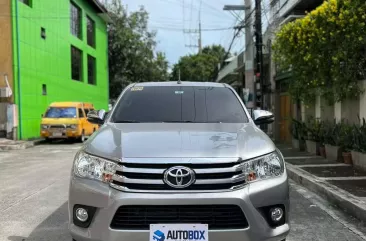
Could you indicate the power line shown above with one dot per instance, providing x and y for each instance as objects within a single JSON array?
[{"x": 202, "y": 29}]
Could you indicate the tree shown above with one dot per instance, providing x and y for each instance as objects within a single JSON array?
[
  {"x": 326, "y": 51},
  {"x": 199, "y": 67},
  {"x": 131, "y": 45}
]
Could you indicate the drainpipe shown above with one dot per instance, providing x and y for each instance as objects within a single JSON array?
[{"x": 18, "y": 71}]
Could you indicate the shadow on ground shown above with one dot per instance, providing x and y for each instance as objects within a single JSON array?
[
  {"x": 54, "y": 227},
  {"x": 60, "y": 142}
]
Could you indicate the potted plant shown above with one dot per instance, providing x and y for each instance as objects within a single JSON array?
[
  {"x": 359, "y": 145},
  {"x": 321, "y": 136},
  {"x": 345, "y": 141},
  {"x": 313, "y": 141},
  {"x": 331, "y": 130},
  {"x": 297, "y": 132}
]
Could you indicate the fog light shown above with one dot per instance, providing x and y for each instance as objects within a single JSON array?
[
  {"x": 82, "y": 214},
  {"x": 276, "y": 214}
]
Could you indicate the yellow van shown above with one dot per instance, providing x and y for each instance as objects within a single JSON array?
[{"x": 67, "y": 120}]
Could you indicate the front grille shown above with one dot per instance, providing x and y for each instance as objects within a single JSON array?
[
  {"x": 216, "y": 216},
  {"x": 149, "y": 177},
  {"x": 57, "y": 126}
]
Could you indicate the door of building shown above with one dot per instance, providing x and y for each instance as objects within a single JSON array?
[{"x": 285, "y": 118}]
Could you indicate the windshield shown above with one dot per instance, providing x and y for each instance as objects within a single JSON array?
[
  {"x": 179, "y": 104},
  {"x": 61, "y": 112}
]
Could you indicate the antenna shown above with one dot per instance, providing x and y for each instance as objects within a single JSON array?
[{"x": 179, "y": 81}]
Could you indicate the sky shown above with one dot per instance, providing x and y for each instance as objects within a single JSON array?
[{"x": 170, "y": 17}]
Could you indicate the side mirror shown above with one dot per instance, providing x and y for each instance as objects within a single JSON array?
[
  {"x": 262, "y": 117},
  {"x": 96, "y": 116}
]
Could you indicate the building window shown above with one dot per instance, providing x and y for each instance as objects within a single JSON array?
[
  {"x": 91, "y": 70},
  {"x": 75, "y": 21},
  {"x": 44, "y": 89},
  {"x": 76, "y": 64},
  {"x": 90, "y": 32},
  {"x": 43, "y": 33},
  {"x": 26, "y": 2}
]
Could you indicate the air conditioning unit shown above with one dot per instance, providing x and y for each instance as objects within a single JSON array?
[{"x": 5, "y": 92}]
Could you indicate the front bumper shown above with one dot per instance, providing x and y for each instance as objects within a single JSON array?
[
  {"x": 67, "y": 133},
  {"x": 107, "y": 200}
]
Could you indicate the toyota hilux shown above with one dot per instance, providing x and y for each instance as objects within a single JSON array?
[{"x": 176, "y": 161}]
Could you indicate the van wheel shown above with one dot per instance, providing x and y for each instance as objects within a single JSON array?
[
  {"x": 83, "y": 138},
  {"x": 94, "y": 130}
]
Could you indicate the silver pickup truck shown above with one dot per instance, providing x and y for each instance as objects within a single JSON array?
[{"x": 179, "y": 161}]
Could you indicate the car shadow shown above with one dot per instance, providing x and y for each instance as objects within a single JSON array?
[
  {"x": 60, "y": 142},
  {"x": 54, "y": 227}
]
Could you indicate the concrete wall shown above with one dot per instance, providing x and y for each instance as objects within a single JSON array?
[{"x": 350, "y": 110}]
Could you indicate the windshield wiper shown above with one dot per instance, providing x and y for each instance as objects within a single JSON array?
[
  {"x": 178, "y": 121},
  {"x": 126, "y": 121}
]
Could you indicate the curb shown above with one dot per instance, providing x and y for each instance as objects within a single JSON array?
[
  {"x": 346, "y": 201},
  {"x": 20, "y": 146}
]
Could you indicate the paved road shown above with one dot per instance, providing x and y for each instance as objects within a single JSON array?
[{"x": 34, "y": 189}]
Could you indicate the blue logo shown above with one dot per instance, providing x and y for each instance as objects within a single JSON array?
[{"x": 159, "y": 236}]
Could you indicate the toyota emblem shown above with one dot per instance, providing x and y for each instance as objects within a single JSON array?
[{"x": 179, "y": 177}]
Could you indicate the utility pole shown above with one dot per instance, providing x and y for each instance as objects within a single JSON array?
[
  {"x": 196, "y": 31},
  {"x": 199, "y": 34},
  {"x": 259, "y": 54}
]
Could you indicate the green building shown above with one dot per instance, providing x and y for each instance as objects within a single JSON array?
[{"x": 50, "y": 51}]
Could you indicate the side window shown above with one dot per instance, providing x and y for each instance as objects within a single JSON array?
[
  {"x": 86, "y": 112},
  {"x": 81, "y": 113}
]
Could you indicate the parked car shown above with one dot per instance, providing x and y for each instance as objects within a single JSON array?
[
  {"x": 179, "y": 161},
  {"x": 67, "y": 120}
]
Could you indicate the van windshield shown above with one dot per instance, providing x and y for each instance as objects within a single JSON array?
[
  {"x": 61, "y": 112},
  {"x": 196, "y": 104}
]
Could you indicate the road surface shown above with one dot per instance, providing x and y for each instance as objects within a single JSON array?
[{"x": 34, "y": 190}]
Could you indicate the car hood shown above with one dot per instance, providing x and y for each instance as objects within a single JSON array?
[{"x": 179, "y": 140}]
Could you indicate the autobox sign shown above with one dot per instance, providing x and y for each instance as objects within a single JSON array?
[{"x": 178, "y": 232}]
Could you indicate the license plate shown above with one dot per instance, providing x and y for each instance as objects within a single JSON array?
[
  {"x": 178, "y": 232},
  {"x": 56, "y": 134}
]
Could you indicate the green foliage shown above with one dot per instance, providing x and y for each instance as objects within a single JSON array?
[
  {"x": 199, "y": 67},
  {"x": 342, "y": 134},
  {"x": 132, "y": 56},
  {"x": 345, "y": 136},
  {"x": 326, "y": 51},
  {"x": 359, "y": 137},
  {"x": 315, "y": 130},
  {"x": 330, "y": 133},
  {"x": 298, "y": 130}
]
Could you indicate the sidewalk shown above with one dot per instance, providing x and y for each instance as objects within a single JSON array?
[
  {"x": 6, "y": 144},
  {"x": 337, "y": 182}
]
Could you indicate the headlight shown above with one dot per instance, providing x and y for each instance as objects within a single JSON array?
[
  {"x": 265, "y": 167},
  {"x": 92, "y": 167},
  {"x": 71, "y": 126},
  {"x": 44, "y": 126}
]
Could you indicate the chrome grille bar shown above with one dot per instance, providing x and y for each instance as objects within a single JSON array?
[{"x": 149, "y": 176}]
